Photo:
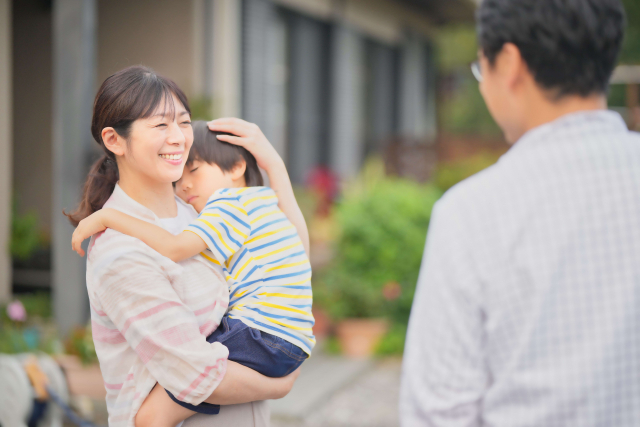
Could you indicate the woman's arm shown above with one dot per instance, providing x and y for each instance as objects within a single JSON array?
[
  {"x": 136, "y": 295},
  {"x": 177, "y": 248},
  {"x": 241, "y": 384},
  {"x": 251, "y": 137},
  {"x": 138, "y": 298}
]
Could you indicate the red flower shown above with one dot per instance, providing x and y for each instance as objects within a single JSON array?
[{"x": 391, "y": 291}]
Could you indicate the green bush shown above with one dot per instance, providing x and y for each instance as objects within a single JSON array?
[
  {"x": 37, "y": 306},
  {"x": 80, "y": 343},
  {"x": 449, "y": 174},
  {"x": 37, "y": 333},
  {"x": 630, "y": 53},
  {"x": 383, "y": 225},
  {"x": 465, "y": 112},
  {"x": 25, "y": 234},
  {"x": 392, "y": 344}
]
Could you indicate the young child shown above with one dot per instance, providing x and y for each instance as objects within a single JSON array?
[{"x": 268, "y": 326}]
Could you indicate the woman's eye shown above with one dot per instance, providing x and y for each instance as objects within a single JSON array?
[
  {"x": 186, "y": 123},
  {"x": 161, "y": 124},
  {"x": 193, "y": 170}
]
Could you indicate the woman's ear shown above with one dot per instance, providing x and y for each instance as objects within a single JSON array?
[
  {"x": 113, "y": 142},
  {"x": 238, "y": 170}
]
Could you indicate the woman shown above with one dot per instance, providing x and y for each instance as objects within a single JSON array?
[{"x": 150, "y": 316}]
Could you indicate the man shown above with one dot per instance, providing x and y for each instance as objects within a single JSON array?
[{"x": 527, "y": 311}]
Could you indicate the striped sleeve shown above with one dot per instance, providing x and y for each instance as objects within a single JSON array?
[
  {"x": 223, "y": 225},
  {"x": 137, "y": 296}
]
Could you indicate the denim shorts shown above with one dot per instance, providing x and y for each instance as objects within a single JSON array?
[{"x": 268, "y": 354}]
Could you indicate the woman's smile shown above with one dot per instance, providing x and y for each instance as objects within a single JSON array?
[{"x": 172, "y": 158}]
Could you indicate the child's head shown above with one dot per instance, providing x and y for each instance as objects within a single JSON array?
[{"x": 214, "y": 164}]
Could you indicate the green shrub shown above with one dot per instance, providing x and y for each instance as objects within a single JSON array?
[
  {"x": 383, "y": 225},
  {"x": 392, "y": 343},
  {"x": 80, "y": 343},
  {"x": 449, "y": 174},
  {"x": 37, "y": 306},
  {"x": 37, "y": 333},
  {"x": 25, "y": 234},
  {"x": 465, "y": 112}
]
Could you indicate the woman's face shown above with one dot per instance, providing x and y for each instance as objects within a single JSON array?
[{"x": 159, "y": 145}]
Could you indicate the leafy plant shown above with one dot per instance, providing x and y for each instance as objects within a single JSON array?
[
  {"x": 392, "y": 344},
  {"x": 80, "y": 343},
  {"x": 25, "y": 234},
  {"x": 34, "y": 332},
  {"x": 630, "y": 53},
  {"x": 307, "y": 201},
  {"x": 383, "y": 224},
  {"x": 449, "y": 174},
  {"x": 465, "y": 112},
  {"x": 456, "y": 47}
]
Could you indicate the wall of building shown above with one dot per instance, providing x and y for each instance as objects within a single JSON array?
[
  {"x": 168, "y": 36},
  {"x": 156, "y": 33},
  {"x": 32, "y": 89}
]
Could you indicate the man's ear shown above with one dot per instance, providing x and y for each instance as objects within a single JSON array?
[
  {"x": 113, "y": 142},
  {"x": 238, "y": 170},
  {"x": 513, "y": 67}
]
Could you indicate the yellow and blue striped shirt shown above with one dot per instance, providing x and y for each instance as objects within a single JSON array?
[{"x": 263, "y": 260}]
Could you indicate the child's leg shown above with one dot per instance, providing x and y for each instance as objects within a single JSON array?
[
  {"x": 265, "y": 353},
  {"x": 158, "y": 410}
]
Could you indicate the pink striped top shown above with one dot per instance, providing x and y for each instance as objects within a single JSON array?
[{"x": 150, "y": 317}]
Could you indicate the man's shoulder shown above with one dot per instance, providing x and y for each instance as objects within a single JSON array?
[{"x": 475, "y": 189}]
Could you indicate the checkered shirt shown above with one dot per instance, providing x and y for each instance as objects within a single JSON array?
[{"x": 527, "y": 311}]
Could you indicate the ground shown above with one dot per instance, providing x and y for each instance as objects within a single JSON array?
[
  {"x": 332, "y": 391},
  {"x": 369, "y": 399}
]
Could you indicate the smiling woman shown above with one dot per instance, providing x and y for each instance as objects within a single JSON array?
[
  {"x": 116, "y": 118},
  {"x": 150, "y": 315}
]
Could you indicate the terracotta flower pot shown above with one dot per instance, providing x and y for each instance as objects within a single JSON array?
[
  {"x": 359, "y": 337},
  {"x": 82, "y": 380},
  {"x": 323, "y": 323}
]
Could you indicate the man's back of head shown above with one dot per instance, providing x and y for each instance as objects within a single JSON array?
[{"x": 541, "y": 59}]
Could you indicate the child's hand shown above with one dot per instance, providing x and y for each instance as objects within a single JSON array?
[
  {"x": 89, "y": 226},
  {"x": 250, "y": 137}
]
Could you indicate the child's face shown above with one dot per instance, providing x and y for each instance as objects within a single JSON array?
[{"x": 199, "y": 181}]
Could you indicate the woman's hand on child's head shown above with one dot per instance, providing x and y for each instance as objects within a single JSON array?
[
  {"x": 250, "y": 137},
  {"x": 89, "y": 226}
]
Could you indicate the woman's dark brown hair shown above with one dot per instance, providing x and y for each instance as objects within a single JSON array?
[
  {"x": 208, "y": 148},
  {"x": 124, "y": 97}
]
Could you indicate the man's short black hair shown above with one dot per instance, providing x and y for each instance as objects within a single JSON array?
[{"x": 570, "y": 46}]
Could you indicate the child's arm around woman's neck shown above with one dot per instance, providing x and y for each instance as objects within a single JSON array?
[{"x": 175, "y": 247}]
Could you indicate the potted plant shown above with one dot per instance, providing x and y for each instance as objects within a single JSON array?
[
  {"x": 80, "y": 364},
  {"x": 370, "y": 283}
]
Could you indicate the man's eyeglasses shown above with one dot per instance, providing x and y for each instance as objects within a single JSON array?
[{"x": 476, "y": 70}]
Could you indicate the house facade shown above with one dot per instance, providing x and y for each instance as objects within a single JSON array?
[{"x": 328, "y": 81}]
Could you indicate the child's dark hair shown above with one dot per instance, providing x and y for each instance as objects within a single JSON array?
[{"x": 208, "y": 148}]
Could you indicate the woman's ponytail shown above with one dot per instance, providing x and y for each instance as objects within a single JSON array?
[{"x": 100, "y": 183}]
